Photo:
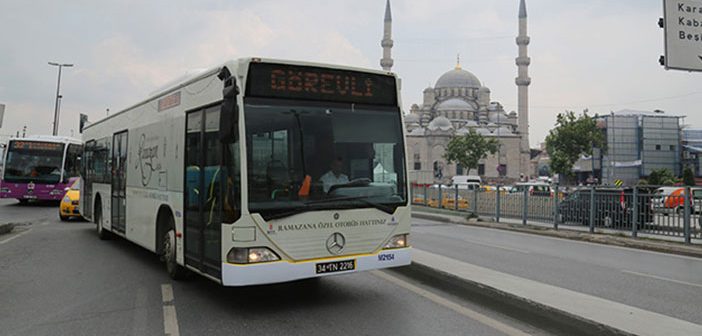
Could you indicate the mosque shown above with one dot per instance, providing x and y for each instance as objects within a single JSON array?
[{"x": 458, "y": 103}]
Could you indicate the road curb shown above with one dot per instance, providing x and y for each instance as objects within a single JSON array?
[
  {"x": 536, "y": 313},
  {"x": 605, "y": 239}
]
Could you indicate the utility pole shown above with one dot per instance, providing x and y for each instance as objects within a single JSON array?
[{"x": 58, "y": 94}]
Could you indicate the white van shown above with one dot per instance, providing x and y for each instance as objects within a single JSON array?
[{"x": 466, "y": 179}]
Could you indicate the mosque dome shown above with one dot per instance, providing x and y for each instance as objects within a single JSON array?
[
  {"x": 454, "y": 104},
  {"x": 458, "y": 78},
  {"x": 440, "y": 123}
]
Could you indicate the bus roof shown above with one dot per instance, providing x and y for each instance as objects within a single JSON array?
[
  {"x": 48, "y": 138},
  {"x": 236, "y": 67}
]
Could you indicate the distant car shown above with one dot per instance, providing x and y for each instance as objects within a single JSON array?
[
  {"x": 534, "y": 189},
  {"x": 674, "y": 201},
  {"x": 612, "y": 207},
  {"x": 69, "y": 203}
]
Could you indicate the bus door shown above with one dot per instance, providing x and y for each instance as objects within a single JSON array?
[
  {"x": 202, "y": 201},
  {"x": 119, "y": 181},
  {"x": 86, "y": 195}
]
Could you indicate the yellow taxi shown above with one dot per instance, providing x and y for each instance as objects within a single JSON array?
[{"x": 69, "y": 203}]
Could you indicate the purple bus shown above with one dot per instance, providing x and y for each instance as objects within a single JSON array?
[{"x": 39, "y": 167}]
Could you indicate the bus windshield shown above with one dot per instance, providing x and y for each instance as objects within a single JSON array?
[
  {"x": 351, "y": 157},
  {"x": 38, "y": 162}
]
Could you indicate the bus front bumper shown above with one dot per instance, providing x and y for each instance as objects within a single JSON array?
[{"x": 283, "y": 271}]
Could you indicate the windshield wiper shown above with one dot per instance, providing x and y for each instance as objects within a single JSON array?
[
  {"x": 293, "y": 211},
  {"x": 362, "y": 199}
]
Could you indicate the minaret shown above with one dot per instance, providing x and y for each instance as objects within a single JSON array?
[
  {"x": 386, "y": 62},
  {"x": 523, "y": 82}
]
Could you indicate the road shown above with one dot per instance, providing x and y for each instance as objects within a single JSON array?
[
  {"x": 666, "y": 284},
  {"x": 57, "y": 278}
]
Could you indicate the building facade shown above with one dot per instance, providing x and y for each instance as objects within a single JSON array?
[{"x": 639, "y": 142}]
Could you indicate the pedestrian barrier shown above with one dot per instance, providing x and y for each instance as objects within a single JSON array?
[{"x": 631, "y": 210}]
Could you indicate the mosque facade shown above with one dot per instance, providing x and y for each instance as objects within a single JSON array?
[{"x": 457, "y": 104}]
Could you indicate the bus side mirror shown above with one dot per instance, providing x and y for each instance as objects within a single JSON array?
[{"x": 229, "y": 112}]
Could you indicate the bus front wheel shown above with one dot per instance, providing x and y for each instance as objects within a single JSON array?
[
  {"x": 101, "y": 232},
  {"x": 175, "y": 271}
]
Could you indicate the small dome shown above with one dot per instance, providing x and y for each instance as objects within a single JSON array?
[
  {"x": 483, "y": 131},
  {"x": 462, "y": 131},
  {"x": 411, "y": 118},
  {"x": 458, "y": 78},
  {"x": 502, "y": 131},
  {"x": 484, "y": 89},
  {"x": 416, "y": 132},
  {"x": 454, "y": 104},
  {"x": 471, "y": 123},
  {"x": 440, "y": 123},
  {"x": 498, "y": 117}
]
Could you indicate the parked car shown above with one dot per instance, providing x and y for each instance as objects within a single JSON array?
[
  {"x": 613, "y": 207},
  {"x": 69, "y": 203}
]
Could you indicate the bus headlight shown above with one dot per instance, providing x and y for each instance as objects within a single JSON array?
[
  {"x": 398, "y": 241},
  {"x": 251, "y": 255},
  {"x": 4, "y": 190}
]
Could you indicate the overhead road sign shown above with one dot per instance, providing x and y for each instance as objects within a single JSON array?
[{"x": 682, "y": 22}]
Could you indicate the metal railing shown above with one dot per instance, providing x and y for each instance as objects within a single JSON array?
[{"x": 633, "y": 210}]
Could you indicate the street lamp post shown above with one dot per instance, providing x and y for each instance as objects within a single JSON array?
[{"x": 58, "y": 94}]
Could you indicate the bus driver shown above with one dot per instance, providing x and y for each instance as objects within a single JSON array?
[{"x": 334, "y": 176}]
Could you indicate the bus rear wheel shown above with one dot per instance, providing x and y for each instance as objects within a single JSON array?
[{"x": 168, "y": 244}]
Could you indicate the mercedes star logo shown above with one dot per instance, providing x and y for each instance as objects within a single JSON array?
[
  {"x": 335, "y": 243},
  {"x": 336, "y": 215}
]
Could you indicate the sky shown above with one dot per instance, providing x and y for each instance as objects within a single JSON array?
[{"x": 596, "y": 54}]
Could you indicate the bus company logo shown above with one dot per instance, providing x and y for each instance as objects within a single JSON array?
[
  {"x": 393, "y": 221},
  {"x": 336, "y": 216},
  {"x": 147, "y": 160},
  {"x": 336, "y": 243},
  {"x": 31, "y": 186}
]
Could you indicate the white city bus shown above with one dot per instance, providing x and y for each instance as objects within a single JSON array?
[{"x": 257, "y": 171}]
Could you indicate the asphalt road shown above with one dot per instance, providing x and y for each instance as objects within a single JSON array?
[
  {"x": 58, "y": 278},
  {"x": 666, "y": 284}
]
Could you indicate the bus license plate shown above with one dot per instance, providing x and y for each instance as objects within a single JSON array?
[{"x": 336, "y": 266}]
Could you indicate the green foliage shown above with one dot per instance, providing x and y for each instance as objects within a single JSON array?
[
  {"x": 469, "y": 149},
  {"x": 688, "y": 177},
  {"x": 571, "y": 138},
  {"x": 661, "y": 177}
]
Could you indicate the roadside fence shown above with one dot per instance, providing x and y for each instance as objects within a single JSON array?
[{"x": 653, "y": 210}]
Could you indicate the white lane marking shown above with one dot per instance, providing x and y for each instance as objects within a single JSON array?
[
  {"x": 662, "y": 278},
  {"x": 167, "y": 293},
  {"x": 537, "y": 235},
  {"x": 170, "y": 319},
  {"x": 472, "y": 314},
  {"x": 15, "y": 236},
  {"x": 495, "y": 246}
]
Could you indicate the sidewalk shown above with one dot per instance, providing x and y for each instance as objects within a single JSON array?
[
  {"x": 580, "y": 312},
  {"x": 609, "y": 237}
]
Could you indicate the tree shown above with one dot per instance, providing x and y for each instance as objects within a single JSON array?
[
  {"x": 469, "y": 149},
  {"x": 570, "y": 139},
  {"x": 688, "y": 177},
  {"x": 661, "y": 177}
]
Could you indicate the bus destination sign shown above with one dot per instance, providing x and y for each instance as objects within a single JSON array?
[
  {"x": 40, "y": 146},
  {"x": 268, "y": 80}
]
